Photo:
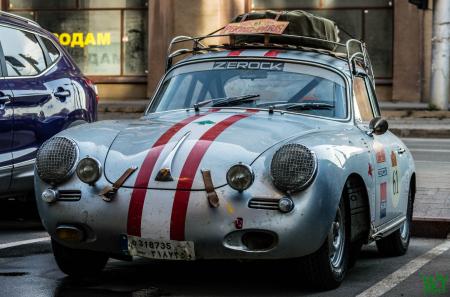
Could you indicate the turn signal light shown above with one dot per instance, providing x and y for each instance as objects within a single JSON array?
[{"x": 69, "y": 233}]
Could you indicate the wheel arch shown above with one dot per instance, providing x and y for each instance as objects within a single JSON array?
[
  {"x": 356, "y": 194},
  {"x": 413, "y": 186}
]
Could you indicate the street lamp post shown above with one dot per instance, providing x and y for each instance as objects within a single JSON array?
[{"x": 440, "y": 64}]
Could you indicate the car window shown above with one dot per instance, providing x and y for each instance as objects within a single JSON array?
[
  {"x": 23, "y": 54},
  {"x": 363, "y": 107},
  {"x": 282, "y": 85},
  {"x": 53, "y": 52}
]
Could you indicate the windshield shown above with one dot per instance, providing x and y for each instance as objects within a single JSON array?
[{"x": 286, "y": 86}]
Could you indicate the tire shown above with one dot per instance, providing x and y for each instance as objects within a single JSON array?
[
  {"x": 355, "y": 251},
  {"x": 78, "y": 263},
  {"x": 325, "y": 269},
  {"x": 397, "y": 243}
]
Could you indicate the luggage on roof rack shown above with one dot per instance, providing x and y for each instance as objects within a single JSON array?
[{"x": 301, "y": 23}]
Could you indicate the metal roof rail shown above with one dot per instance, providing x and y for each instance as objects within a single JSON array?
[
  {"x": 19, "y": 18},
  {"x": 359, "y": 56}
]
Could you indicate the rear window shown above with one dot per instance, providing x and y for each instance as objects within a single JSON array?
[
  {"x": 53, "y": 52},
  {"x": 23, "y": 54}
]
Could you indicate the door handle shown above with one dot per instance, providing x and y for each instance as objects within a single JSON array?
[
  {"x": 5, "y": 99},
  {"x": 401, "y": 150},
  {"x": 61, "y": 93}
]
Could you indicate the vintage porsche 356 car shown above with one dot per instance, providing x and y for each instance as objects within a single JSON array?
[{"x": 248, "y": 150}]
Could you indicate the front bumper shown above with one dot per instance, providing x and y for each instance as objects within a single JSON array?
[{"x": 216, "y": 232}]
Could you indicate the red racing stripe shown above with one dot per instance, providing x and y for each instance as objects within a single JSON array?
[
  {"x": 272, "y": 53},
  {"x": 181, "y": 200},
  {"x": 143, "y": 178},
  {"x": 236, "y": 53}
]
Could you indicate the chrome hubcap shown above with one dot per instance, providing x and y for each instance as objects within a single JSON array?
[{"x": 337, "y": 238}]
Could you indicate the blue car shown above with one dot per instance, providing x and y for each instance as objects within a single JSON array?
[{"x": 42, "y": 92}]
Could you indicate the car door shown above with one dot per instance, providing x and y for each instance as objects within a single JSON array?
[
  {"x": 42, "y": 95},
  {"x": 381, "y": 149},
  {"x": 397, "y": 183},
  {"x": 6, "y": 128}
]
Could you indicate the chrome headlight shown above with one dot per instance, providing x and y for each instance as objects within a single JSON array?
[
  {"x": 89, "y": 170},
  {"x": 293, "y": 167},
  {"x": 240, "y": 177},
  {"x": 55, "y": 160}
]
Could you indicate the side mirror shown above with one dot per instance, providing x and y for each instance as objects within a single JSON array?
[{"x": 378, "y": 126}]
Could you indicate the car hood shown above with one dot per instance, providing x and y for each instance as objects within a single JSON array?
[{"x": 188, "y": 143}]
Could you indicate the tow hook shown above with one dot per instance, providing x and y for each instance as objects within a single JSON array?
[
  {"x": 109, "y": 192},
  {"x": 213, "y": 199}
]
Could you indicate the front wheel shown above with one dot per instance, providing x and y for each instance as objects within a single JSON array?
[
  {"x": 397, "y": 243},
  {"x": 78, "y": 263},
  {"x": 326, "y": 268}
]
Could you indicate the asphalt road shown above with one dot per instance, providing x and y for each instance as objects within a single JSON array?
[
  {"x": 432, "y": 158},
  {"x": 27, "y": 268},
  {"x": 30, "y": 270}
]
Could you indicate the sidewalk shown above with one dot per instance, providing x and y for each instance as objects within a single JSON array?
[{"x": 431, "y": 213}]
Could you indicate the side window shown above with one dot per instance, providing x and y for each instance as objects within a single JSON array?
[
  {"x": 363, "y": 107},
  {"x": 53, "y": 52},
  {"x": 23, "y": 55}
]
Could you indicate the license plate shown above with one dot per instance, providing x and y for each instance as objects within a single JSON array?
[{"x": 159, "y": 249}]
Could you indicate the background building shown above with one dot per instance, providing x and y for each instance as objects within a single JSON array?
[{"x": 121, "y": 44}]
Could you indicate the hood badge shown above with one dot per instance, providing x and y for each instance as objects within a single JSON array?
[{"x": 165, "y": 173}]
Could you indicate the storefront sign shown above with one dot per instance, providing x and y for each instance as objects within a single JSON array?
[
  {"x": 79, "y": 39},
  {"x": 262, "y": 26}
]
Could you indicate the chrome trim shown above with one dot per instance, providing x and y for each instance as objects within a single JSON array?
[
  {"x": 387, "y": 228},
  {"x": 5, "y": 168},
  {"x": 20, "y": 18},
  {"x": 165, "y": 172},
  {"x": 25, "y": 163}
]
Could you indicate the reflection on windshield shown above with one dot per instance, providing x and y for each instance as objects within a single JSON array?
[{"x": 310, "y": 89}]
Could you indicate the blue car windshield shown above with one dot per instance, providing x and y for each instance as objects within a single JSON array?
[{"x": 284, "y": 86}]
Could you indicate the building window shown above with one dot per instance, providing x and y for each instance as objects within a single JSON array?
[
  {"x": 370, "y": 20},
  {"x": 106, "y": 38}
]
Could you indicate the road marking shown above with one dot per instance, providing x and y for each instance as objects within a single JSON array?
[
  {"x": 395, "y": 278},
  {"x": 425, "y": 140},
  {"x": 428, "y": 150},
  {"x": 23, "y": 242}
]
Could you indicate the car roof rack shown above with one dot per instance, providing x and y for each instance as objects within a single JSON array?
[
  {"x": 354, "y": 51},
  {"x": 19, "y": 18}
]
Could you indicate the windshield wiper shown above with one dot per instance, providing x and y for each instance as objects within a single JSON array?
[
  {"x": 227, "y": 101},
  {"x": 309, "y": 106}
]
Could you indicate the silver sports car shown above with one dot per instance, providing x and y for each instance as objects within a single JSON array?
[{"x": 251, "y": 152}]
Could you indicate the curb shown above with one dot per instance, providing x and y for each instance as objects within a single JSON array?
[
  {"x": 430, "y": 227},
  {"x": 421, "y": 133}
]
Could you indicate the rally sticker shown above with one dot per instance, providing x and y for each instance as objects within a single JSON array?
[
  {"x": 395, "y": 181},
  {"x": 249, "y": 65},
  {"x": 382, "y": 172},
  {"x": 380, "y": 153},
  {"x": 383, "y": 200}
]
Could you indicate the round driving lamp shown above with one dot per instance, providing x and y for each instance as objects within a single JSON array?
[
  {"x": 240, "y": 177},
  {"x": 89, "y": 170},
  {"x": 285, "y": 204}
]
